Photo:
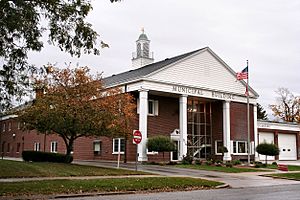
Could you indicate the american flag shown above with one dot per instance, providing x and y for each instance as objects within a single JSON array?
[{"x": 242, "y": 75}]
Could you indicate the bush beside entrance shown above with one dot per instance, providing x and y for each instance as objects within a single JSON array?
[{"x": 37, "y": 156}]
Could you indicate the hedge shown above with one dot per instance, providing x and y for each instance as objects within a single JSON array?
[{"x": 38, "y": 156}]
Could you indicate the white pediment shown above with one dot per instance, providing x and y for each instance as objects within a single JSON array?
[{"x": 204, "y": 70}]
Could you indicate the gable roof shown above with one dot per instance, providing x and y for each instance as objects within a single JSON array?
[
  {"x": 144, "y": 72},
  {"x": 131, "y": 75}
]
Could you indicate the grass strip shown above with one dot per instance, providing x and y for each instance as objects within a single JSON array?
[
  {"x": 290, "y": 167},
  {"x": 295, "y": 176},
  {"x": 103, "y": 185},
  {"x": 17, "y": 169},
  {"x": 220, "y": 168}
]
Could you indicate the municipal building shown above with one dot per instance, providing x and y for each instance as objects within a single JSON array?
[{"x": 193, "y": 98}]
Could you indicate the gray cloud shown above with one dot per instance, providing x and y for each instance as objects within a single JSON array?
[{"x": 264, "y": 31}]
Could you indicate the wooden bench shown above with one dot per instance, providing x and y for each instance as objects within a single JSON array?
[{"x": 282, "y": 167}]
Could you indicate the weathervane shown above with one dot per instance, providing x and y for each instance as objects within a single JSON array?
[{"x": 143, "y": 30}]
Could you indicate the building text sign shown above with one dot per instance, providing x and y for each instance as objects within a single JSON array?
[{"x": 203, "y": 93}]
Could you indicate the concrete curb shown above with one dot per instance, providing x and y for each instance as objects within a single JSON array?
[
  {"x": 280, "y": 177},
  {"x": 120, "y": 193},
  {"x": 93, "y": 194},
  {"x": 223, "y": 186}
]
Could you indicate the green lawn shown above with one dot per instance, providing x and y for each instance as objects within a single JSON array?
[
  {"x": 290, "y": 167},
  {"x": 15, "y": 169},
  {"x": 103, "y": 185},
  {"x": 287, "y": 175},
  {"x": 220, "y": 168}
]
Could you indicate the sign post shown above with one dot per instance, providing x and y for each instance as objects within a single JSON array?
[{"x": 137, "y": 138}]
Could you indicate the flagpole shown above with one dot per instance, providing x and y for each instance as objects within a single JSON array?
[{"x": 248, "y": 116}]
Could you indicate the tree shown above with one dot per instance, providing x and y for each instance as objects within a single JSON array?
[
  {"x": 21, "y": 30},
  {"x": 72, "y": 103},
  {"x": 267, "y": 149},
  {"x": 287, "y": 107},
  {"x": 261, "y": 113},
  {"x": 160, "y": 144},
  {"x": 223, "y": 150}
]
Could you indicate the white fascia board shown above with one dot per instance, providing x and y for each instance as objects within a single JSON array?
[
  {"x": 8, "y": 117},
  {"x": 278, "y": 126},
  {"x": 188, "y": 90}
]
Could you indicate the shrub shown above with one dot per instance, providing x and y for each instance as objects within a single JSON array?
[
  {"x": 236, "y": 162},
  {"x": 274, "y": 163},
  {"x": 218, "y": 161},
  {"x": 160, "y": 144},
  {"x": 187, "y": 160},
  {"x": 38, "y": 156},
  {"x": 267, "y": 149},
  {"x": 229, "y": 164},
  {"x": 198, "y": 162},
  {"x": 209, "y": 162}
]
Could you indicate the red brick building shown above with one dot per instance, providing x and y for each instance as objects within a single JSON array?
[{"x": 193, "y": 98}]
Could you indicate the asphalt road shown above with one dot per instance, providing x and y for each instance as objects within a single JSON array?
[{"x": 282, "y": 192}]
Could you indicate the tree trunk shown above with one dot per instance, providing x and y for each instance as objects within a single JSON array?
[
  {"x": 69, "y": 145},
  {"x": 125, "y": 150}
]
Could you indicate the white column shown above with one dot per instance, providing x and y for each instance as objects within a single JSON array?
[
  {"x": 226, "y": 129},
  {"x": 183, "y": 126},
  {"x": 143, "y": 108},
  {"x": 255, "y": 131}
]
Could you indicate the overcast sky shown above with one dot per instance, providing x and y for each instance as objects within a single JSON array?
[{"x": 266, "y": 32}]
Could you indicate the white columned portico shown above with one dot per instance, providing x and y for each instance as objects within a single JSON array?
[
  {"x": 226, "y": 129},
  {"x": 183, "y": 125},
  {"x": 143, "y": 109},
  {"x": 256, "y": 158}
]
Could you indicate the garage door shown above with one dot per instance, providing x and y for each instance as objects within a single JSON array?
[
  {"x": 266, "y": 138},
  {"x": 287, "y": 146}
]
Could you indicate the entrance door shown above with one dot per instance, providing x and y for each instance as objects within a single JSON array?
[{"x": 175, "y": 154}]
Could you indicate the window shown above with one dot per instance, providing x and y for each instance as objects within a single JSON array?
[
  {"x": 18, "y": 147},
  {"x": 240, "y": 147},
  {"x": 9, "y": 126},
  {"x": 152, "y": 107},
  {"x": 37, "y": 146},
  {"x": 19, "y": 125},
  {"x": 118, "y": 145},
  {"x": 97, "y": 147},
  {"x": 218, "y": 144},
  {"x": 3, "y": 127},
  {"x": 53, "y": 147},
  {"x": 8, "y": 147}
]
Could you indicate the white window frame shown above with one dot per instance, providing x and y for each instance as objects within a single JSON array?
[
  {"x": 97, "y": 151},
  {"x": 37, "y": 146},
  {"x": 118, "y": 140},
  {"x": 237, "y": 147},
  {"x": 9, "y": 126},
  {"x": 19, "y": 125},
  {"x": 18, "y": 147},
  {"x": 152, "y": 152},
  {"x": 155, "y": 107},
  {"x": 53, "y": 147},
  {"x": 216, "y": 147}
]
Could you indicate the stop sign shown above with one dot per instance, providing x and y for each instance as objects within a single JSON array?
[{"x": 137, "y": 137}]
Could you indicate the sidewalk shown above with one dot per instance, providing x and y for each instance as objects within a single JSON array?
[
  {"x": 235, "y": 180},
  {"x": 11, "y": 180}
]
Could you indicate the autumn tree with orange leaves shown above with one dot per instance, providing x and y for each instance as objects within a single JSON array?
[
  {"x": 287, "y": 107},
  {"x": 73, "y": 103}
]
